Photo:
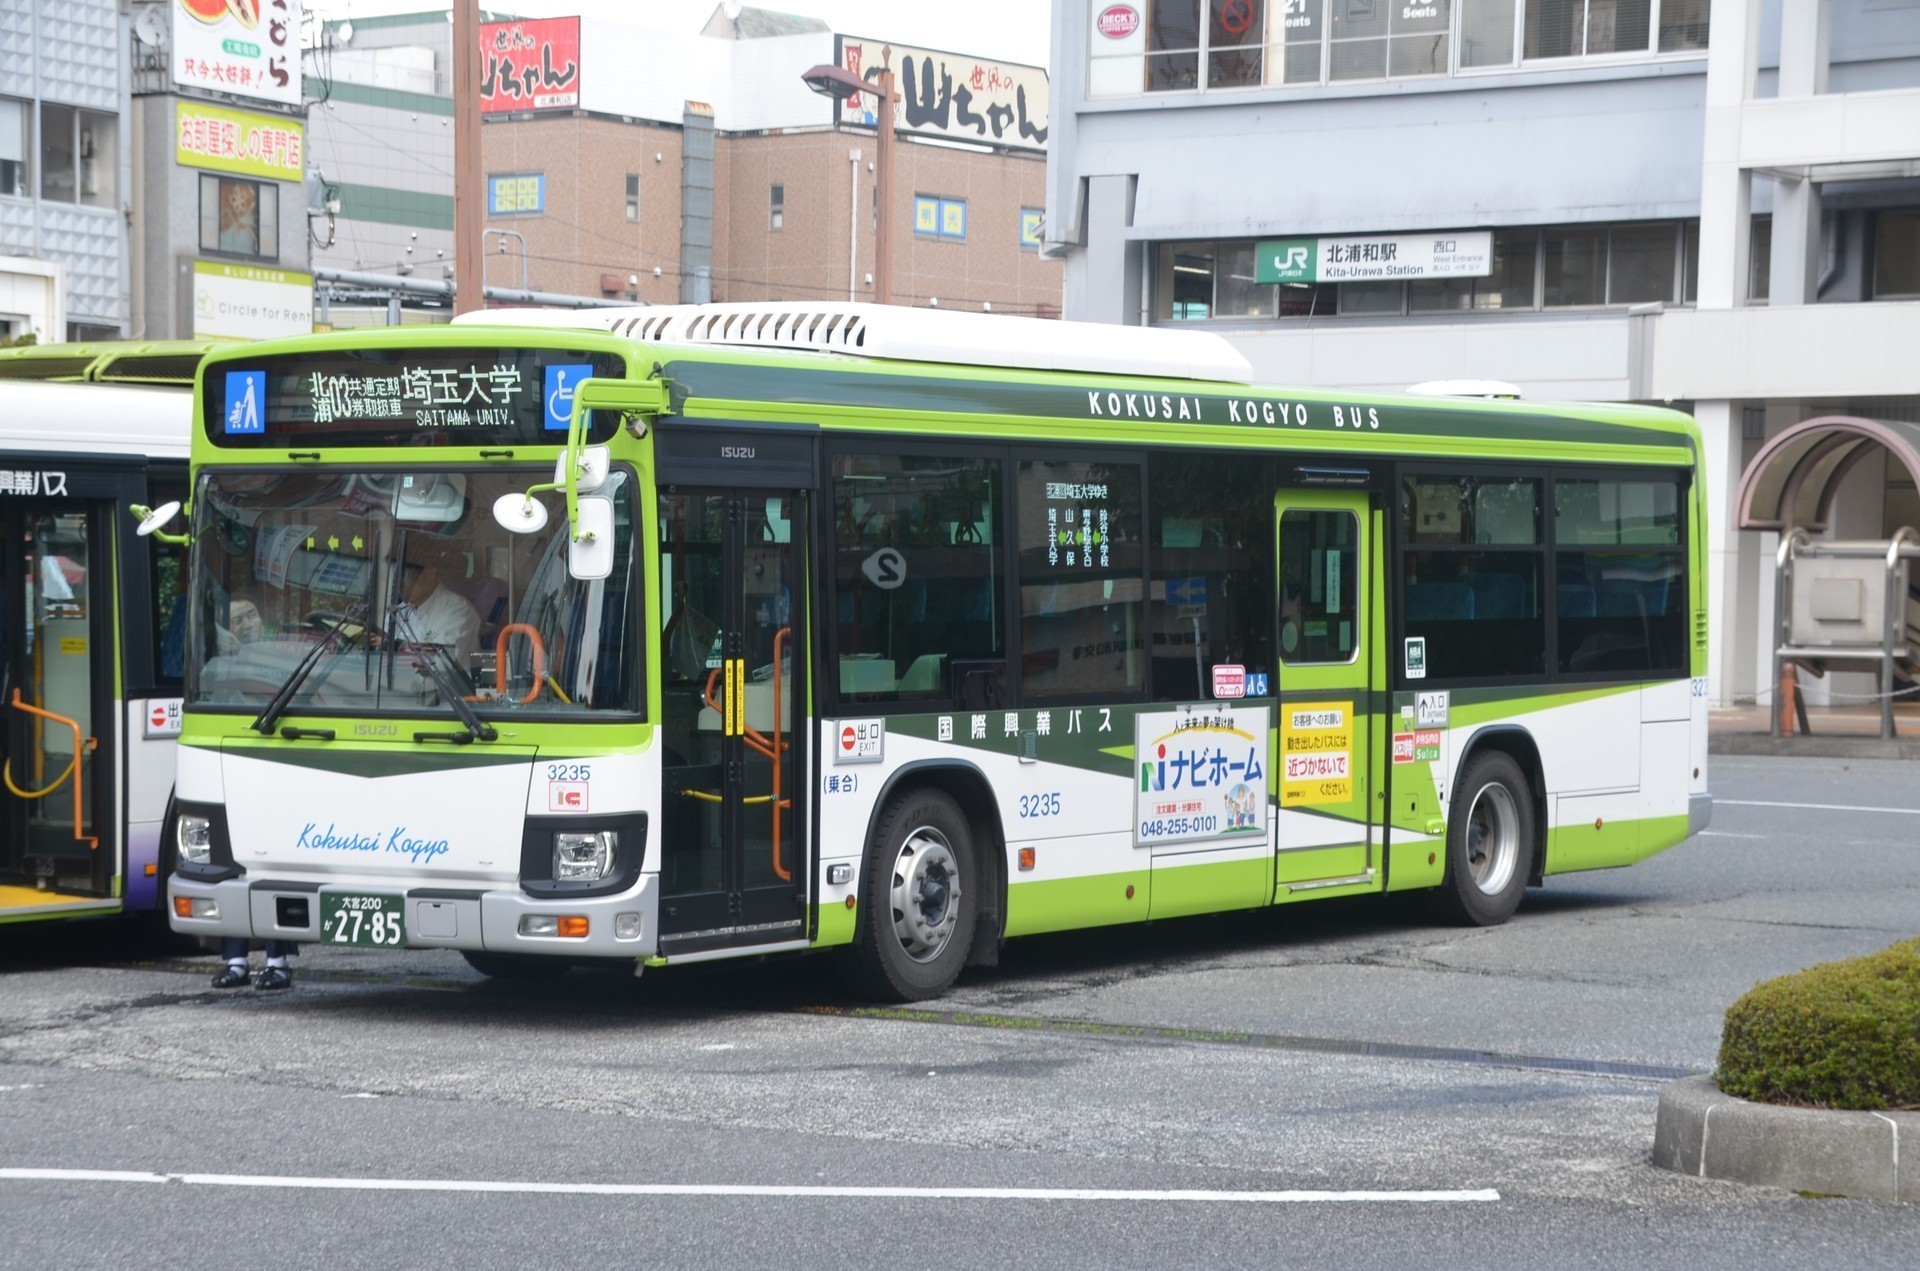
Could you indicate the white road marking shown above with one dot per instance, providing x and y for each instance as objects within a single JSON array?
[
  {"x": 285, "y": 1182},
  {"x": 1728, "y": 834},
  {"x": 1817, "y": 807}
]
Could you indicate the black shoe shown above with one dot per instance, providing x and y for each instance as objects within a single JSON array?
[
  {"x": 230, "y": 977},
  {"x": 274, "y": 977}
]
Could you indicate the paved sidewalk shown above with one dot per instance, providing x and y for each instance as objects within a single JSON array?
[{"x": 1835, "y": 732}]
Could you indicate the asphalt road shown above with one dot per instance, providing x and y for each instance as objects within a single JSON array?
[{"x": 1343, "y": 1084}]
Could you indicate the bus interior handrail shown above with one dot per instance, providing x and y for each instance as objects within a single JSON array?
[{"x": 80, "y": 742}]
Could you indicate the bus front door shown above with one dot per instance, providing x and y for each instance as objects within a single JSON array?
[
  {"x": 734, "y": 653},
  {"x": 56, "y": 643},
  {"x": 1327, "y": 733}
]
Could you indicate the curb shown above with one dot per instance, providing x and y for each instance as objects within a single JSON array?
[
  {"x": 1702, "y": 1132},
  {"x": 1816, "y": 747}
]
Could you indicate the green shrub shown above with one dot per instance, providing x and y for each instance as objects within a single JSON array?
[{"x": 1837, "y": 1035}]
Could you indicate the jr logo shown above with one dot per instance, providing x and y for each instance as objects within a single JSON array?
[
  {"x": 1296, "y": 258},
  {"x": 560, "y": 383}
]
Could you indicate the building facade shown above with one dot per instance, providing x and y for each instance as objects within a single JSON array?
[
  {"x": 216, "y": 218},
  {"x": 1709, "y": 205},
  {"x": 719, "y": 175},
  {"x": 64, "y": 169}
]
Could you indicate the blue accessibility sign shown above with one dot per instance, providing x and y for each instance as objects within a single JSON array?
[
  {"x": 561, "y": 381},
  {"x": 1256, "y": 683}
]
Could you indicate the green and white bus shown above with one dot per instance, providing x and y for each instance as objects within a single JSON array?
[
  {"x": 676, "y": 634},
  {"x": 89, "y": 679}
]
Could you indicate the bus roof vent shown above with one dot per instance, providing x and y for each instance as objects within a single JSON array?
[
  {"x": 1496, "y": 390},
  {"x": 898, "y": 333}
]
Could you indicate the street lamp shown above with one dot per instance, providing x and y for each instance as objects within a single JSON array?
[{"x": 841, "y": 84}]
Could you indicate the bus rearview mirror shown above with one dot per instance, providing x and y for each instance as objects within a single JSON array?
[
  {"x": 590, "y": 552},
  {"x": 152, "y": 519}
]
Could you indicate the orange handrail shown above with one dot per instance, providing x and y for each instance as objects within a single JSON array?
[
  {"x": 500, "y": 659},
  {"x": 769, "y": 747},
  {"x": 90, "y": 743}
]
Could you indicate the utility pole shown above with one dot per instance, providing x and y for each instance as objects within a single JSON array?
[
  {"x": 883, "y": 185},
  {"x": 468, "y": 188}
]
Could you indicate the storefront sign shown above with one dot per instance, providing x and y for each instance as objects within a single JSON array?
[
  {"x": 237, "y": 141},
  {"x": 951, "y": 96},
  {"x": 250, "y": 48},
  {"x": 248, "y": 302},
  {"x": 530, "y": 65},
  {"x": 1374, "y": 257}
]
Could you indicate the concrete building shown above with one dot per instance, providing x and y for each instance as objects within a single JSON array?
[
  {"x": 718, "y": 175},
  {"x": 64, "y": 170},
  {"x": 1711, "y": 205},
  {"x": 215, "y": 212}
]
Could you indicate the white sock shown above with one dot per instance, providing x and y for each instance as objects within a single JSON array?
[
  {"x": 239, "y": 962},
  {"x": 277, "y": 962}
]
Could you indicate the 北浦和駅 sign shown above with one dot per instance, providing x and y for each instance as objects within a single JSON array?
[{"x": 1374, "y": 257}]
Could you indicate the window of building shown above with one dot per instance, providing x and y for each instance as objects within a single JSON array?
[
  {"x": 777, "y": 215},
  {"x": 1082, "y": 585},
  {"x": 1032, "y": 223},
  {"x": 239, "y": 217},
  {"x": 79, "y": 155},
  {"x": 1211, "y": 559},
  {"x": 1619, "y": 576},
  {"x": 1580, "y": 28},
  {"x": 1200, "y": 45},
  {"x": 1896, "y": 254},
  {"x": 1473, "y": 566},
  {"x": 918, "y": 583},
  {"x": 1640, "y": 263},
  {"x": 14, "y": 143},
  {"x": 1319, "y": 587},
  {"x": 1563, "y": 267},
  {"x": 1204, "y": 45},
  {"x": 937, "y": 217},
  {"x": 1760, "y": 258},
  {"x": 633, "y": 196}
]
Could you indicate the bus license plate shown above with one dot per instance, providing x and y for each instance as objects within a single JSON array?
[{"x": 372, "y": 921}]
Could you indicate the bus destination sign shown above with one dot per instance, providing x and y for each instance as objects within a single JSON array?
[{"x": 478, "y": 396}]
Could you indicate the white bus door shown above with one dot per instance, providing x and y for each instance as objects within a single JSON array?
[
  {"x": 56, "y": 610},
  {"x": 1325, "y": 730},
  {"x": 734, "y": 653}
]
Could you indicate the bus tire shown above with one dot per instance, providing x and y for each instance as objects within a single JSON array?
[
  {"x": 922, "y": 893},
  {"x": 516, "y": 966},
  {"x": 1490, "y": 842}
]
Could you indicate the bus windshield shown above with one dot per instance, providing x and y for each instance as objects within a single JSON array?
[{"x": 348, "y": 592}]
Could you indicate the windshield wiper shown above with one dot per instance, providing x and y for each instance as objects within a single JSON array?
[
  {"x": 277, "y": 707},
  {"x": 427, "y": 659}
]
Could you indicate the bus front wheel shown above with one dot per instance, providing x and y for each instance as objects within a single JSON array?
[
  {"x": 1490, "y": 842},
  {"x": 921, "y": 897}
]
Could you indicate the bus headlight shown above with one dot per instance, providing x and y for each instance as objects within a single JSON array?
[
  {"x": 193, "y": 835},
  {"x": 583, "y": 858}
]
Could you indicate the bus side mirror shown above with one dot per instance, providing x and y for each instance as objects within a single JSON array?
[{"x": 590, "y": 552}]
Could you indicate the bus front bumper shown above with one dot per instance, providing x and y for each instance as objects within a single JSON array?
[{"x": 481, "y": 919}]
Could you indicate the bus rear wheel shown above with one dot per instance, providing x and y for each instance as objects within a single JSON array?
[
  {"x": 516, "y": 966},
  {"x": 1490, "y": 842},
  {"x": 921, "y": 897}
]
